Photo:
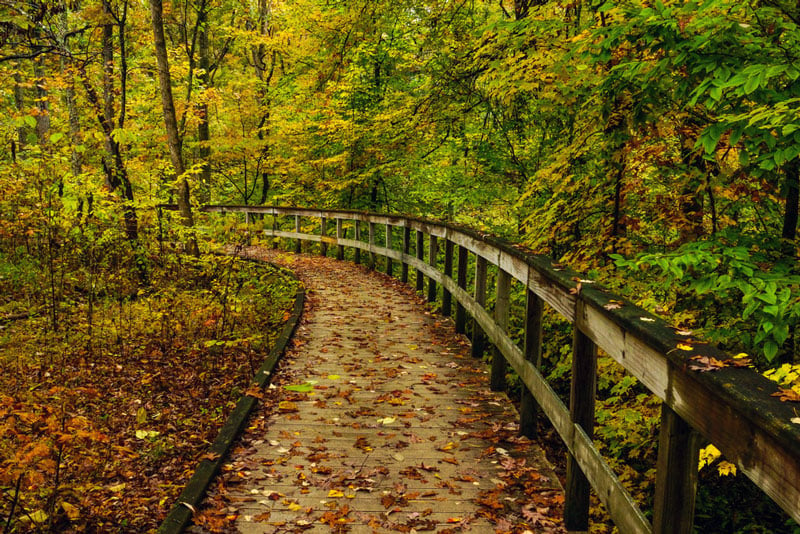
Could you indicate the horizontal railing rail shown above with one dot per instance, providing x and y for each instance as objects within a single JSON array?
[{"x": 732, "y": 407}]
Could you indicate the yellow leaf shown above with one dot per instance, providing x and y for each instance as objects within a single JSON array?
[
  {"x": 72, "y": 511},
  {"x": 294, "y": 507},
  {"x": 141, "y": 415},
  {"x": 707, "y": 456},
  {"x": 741, "y": 355},
  {"x": 334, "y": 377},
  {"x": 335, "y": 494},
  {"x": 726, "y": 468},
  {"x": 684, "y": 346}
]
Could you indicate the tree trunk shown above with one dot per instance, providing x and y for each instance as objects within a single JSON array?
[
  {"x": 203, "y": 130},
  {"x": 792, "y": 186},
  {"x": 171, "y": 123}
]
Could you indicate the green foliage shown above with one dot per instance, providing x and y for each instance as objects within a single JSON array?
[{"x": 741, "y": 293}]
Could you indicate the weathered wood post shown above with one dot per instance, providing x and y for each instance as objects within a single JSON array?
[
  {"x": 373, "y": 258},
  {"x": 274, "y": 229},
  {"x": 433, "y": 251},
  {"x": 406, "y": 248},
  {"x": 298, "y": 244},
  {"x": 389, "y": 266},
  {"x": 529, "y": 409},
  {"x": 447, "y": 298},
  {"x": 497, "y": 381},
  {"x": 420, "y": 257},
  {"x": 581, "y": 411},
  {"x": 461, "y": 280},
  {"x": 357, "y": 238},
  {"x": 676, "y": 475},
  {"x": 478, "y": 340},
  {"x": 247, "y": 227},
  {"x": 339, "y": 236},
  {"x": 323, "y": 232}
]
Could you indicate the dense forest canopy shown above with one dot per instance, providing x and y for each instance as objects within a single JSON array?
[{"x": 592, "y": 131}]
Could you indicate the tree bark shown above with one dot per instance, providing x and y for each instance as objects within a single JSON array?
[
  {"x": 203, "y": 130},
  {"x": 170, "y": 122},
  {"x": 792, "y": 186}
]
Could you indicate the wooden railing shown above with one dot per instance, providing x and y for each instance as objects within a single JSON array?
[{"x": 731, "y": 408}]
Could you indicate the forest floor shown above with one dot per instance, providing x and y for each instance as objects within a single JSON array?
[
  {"x": 103, "y": 421},
  {"x": 379, "y": 420}
]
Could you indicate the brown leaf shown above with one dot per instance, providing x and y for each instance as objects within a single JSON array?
[{"x": 787, "y": 395}]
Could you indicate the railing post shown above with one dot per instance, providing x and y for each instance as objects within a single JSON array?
[
  {"x": 298, "y": 246},
  {"x": 373, "y": 258},
  {"x": 447, "y": 298},
  {"x": 406, "y": 248},
  {"x": 247, "y": 227},
  {"x": 323, "y": 230},
  {"x": 274, "y": 229},
  {"x": 528, "y": 409},
  {"x": 420, "y": 256},
  {"x": 461, "y": 280},
  {"x": 581, "y": 411},
  {"x": 339, "y": 237},
  {"x": 357, "y": 238},
  {"x": 432, "y": 253},
  {"x": 497, "y": 380},
  {"x": 676, "y": 475},
  {"x": 478, "y": 340},
  {"x": 389, "y": 266}
]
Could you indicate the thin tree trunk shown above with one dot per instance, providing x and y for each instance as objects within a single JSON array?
[
  {"x": 792, "y": 186},
  {"x": 170, "y": 121},
  {"x": 203, "y": 130}
]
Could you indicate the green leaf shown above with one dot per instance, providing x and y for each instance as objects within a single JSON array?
[
  {"x": 305, "y": 387},
  {"x": 770, "y": 350}
]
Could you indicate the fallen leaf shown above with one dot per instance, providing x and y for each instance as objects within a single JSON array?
[
  {"x": 305, "y": 387},
  {"x": 787, "y": 395},
  {"x": 71, "y": 510},
  {"x": 287, "y": 407},
  {"x": 335, "y": 494}
]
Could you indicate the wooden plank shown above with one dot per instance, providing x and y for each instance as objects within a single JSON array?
[
  {"x": 478, "y": 339},
  {"x": 406, "y": 248},
  {"x": 447, "y": 298},
  {"x": 676, "y": 475},
  {"x": 477, "y": 247},
  {"x": 432, "y": 255},
  {"x": 373, "y": 258},
  {"x": 358, "y": 238},
  {"x": 502, "y": 306},
  {"x": 515, "y": 266},
  {"x": 340, "y": 234},
  {"x": 528, "y": 411},
  {"x": 299, "y": 241},
  {"x": 461, "y": 275},
  {"x": 581, "y": 410},
  {"x": 323, "y": 232},
  {"x": 420, "y": 255},
  {"x": 389, "y": 267},
  {"x": 558, "y": 298}
]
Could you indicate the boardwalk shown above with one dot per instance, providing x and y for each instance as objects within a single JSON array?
[{"x": 379, "y": 421}]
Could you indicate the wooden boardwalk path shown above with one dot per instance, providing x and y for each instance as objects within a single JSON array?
[{"x": 380, "y": 421}]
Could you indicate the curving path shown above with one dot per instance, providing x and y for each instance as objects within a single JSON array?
[{"x": 387, "y": 424}]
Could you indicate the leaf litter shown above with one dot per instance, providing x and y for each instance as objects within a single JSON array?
[{"x": 415, "y": 429}]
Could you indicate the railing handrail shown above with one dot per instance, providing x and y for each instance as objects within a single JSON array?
[{"x": 732, "y": 407}]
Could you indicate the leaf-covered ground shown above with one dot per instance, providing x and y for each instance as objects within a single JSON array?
[
  {"x": 101, "y": 427},
  {"x": 380, "y": 421}
]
